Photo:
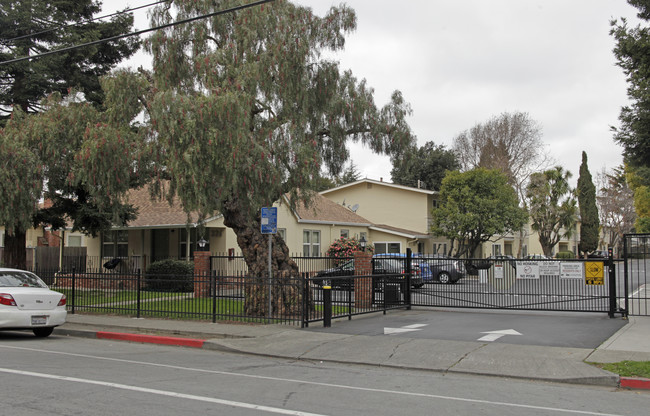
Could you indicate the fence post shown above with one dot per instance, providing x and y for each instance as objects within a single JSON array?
[
  {"x": 327, "y": 306},
  {"x": 73, "y": 291},
  {"x": 304, "y": 281},
  {"x": 213, "y": 294},
  {"x": 138, "y": 283},
  {"x": 408, "y": 269},
  {"x": 612, "y": 284}
]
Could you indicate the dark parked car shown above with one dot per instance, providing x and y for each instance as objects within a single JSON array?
[
  {"x": 441, "y": 269},
  {"x": 380, "y": 266},
  {"x": 598, "y": 254}
]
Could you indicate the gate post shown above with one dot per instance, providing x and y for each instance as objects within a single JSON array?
[
  {"x": 625, "y": 275},
  {"x": 201, "y": 274},
  {"x": 363, "y": 285},
  {"x": 612, "y": 284},
  {"x": 409, "y": 270}
]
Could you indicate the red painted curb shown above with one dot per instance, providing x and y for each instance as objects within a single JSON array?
[
  {"x": 152, "y": 339},
  {"x": 635, "y": 383}
]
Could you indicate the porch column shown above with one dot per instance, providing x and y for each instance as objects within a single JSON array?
[
  {"x": 363, "y": 286},
  {"x": 201, "y": 274}
]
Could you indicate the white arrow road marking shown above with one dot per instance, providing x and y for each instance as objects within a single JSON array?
[
  {"x": 494, "y": 335},
  {"x": 407, "y": 328}
]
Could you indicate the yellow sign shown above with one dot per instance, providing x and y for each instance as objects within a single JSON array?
[{"x": 594, "y": 273}]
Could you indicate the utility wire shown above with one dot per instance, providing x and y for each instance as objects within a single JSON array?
[
  {"x": 52, "y": 29},
  {"x": 137, "y": 33}
]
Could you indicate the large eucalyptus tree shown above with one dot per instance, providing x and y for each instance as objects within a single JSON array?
[{"x": 248, "y": 106}]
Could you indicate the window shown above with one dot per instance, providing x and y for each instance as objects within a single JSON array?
[
  {"x": 74, "y": 241},
  {"x": 496, "y": 250},
  {"x": 345, "y": 233},
  {"x": 383, "y": 248},
  {"x": 311, "y": 243},
  {"x": 524, "y": 251},
  {"x": 115, "y": 244},
  {"x": 282, "y": 232}
]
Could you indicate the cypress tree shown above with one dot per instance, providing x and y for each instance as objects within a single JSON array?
[{"x": 590, "y": 224}]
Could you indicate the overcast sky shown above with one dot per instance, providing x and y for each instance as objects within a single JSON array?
[{"x": 461, "y": 62}]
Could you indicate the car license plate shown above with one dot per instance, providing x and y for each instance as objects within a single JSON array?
[{"x": 39, "y": 319}]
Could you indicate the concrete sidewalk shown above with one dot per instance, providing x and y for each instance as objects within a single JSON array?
[{"x": 554, "y": 364}]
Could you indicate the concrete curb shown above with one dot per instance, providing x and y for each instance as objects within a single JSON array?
[{"x": 635, "y": 383}]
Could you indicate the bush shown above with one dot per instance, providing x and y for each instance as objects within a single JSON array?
[
  {"x": 170, "y": 276},
  {"x": 344, "y": 248},
  {"x": 565, "y": 255}
]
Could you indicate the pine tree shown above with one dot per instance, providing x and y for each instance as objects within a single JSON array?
[{"x": 28, "y": 28}]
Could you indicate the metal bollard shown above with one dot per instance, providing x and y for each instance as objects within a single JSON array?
[{"x": 327, "y": 306}]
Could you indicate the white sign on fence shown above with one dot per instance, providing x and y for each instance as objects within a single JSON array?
[
  {"x": 527, "y": 270},
  {"x": 498, "y": 271},
  {"x": 571, "y": 270},
  {"x": 549, "y": 268}
]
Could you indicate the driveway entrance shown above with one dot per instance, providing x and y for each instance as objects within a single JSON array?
[{"x": 573, "y": 330}]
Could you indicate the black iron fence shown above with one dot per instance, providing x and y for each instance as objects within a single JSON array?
[
  {"x": 204, "y": 297},
  {"x": 326, "y": 288},
  {"x": 346, "y": 296}
]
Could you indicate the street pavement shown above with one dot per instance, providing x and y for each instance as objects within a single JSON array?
[{"x": 531, "y": 362}]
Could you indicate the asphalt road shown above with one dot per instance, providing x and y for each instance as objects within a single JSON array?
[
  {"x": 557, "y": 329},
  {"x": 67, "y": 376}
]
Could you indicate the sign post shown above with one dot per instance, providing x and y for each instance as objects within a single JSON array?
[{"x": 269, "y": 225}]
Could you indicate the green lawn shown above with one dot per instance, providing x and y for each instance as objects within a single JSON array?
[
  {"x": 627, "y": 368},
  {"x": 86, "y": 297}
]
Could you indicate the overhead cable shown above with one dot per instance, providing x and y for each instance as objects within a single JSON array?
[
  {"x": 137, "y": 33},
  {"x": 52, "y": 29}
]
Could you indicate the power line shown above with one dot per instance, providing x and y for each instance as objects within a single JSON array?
[
  {"x": 137, "y": 33},
  {"x": 52, "y": 29}
]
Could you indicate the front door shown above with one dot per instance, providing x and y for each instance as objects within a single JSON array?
[{"x": 159, "y": 244}]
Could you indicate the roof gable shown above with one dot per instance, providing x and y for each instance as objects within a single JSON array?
[{"x": 380, "y": 183}]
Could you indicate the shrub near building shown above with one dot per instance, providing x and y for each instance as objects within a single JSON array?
[
  {"x": 170, "y": 276},
  {"x": 344, "y": 249}
]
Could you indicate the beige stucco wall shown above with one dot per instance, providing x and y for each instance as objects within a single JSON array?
[
  {"x": 328, "y": 231},
  {"x": 381, "y": 204}
]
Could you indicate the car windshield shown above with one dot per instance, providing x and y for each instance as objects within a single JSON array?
[
  {"x": 20, "y": 279},
  {"x": 349, "y": 265}
]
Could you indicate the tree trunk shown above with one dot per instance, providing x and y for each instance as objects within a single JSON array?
[
  {"x": 15, "y": 253},
  {"x": 286, "y": 291}
]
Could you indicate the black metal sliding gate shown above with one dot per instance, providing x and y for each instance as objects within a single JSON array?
[
  {"x": 504, "y": 283},
  {"x": 634, "y": 296}
]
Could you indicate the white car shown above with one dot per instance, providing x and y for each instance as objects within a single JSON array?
[{"x": 27, "y": 303}]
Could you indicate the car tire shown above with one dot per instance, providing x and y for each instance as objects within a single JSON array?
[
  {"x": 444, "y": 277},
  {"x": 43, "y": 332}
]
